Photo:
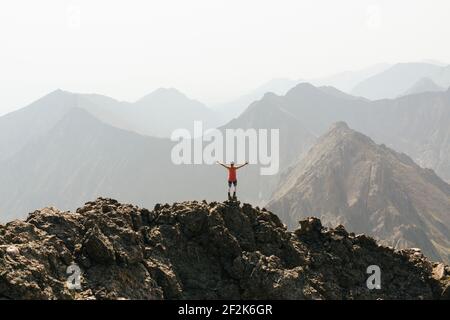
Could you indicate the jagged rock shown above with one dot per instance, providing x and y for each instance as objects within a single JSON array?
[
  {"x": 98, "y": 247},
  {"x": 200, "y": 250},
  {"x": 12, "y": 251},
  {"x": 446, "y": 292},
  {"x": 309, "y": 227},
  {"x": 439, "y": 271}
]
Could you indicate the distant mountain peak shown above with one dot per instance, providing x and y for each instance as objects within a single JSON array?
[
  {"x": 164, "y": 93},
  {"x": 424, "y": 84},
  {"x": 270, "y": 95},
  {"x": 340, "y": 125},
  {"x": 340, "y": 137},
  {"x": 170, "y": 90},
  {"x": 303, "y": 86},
  {"x": 57, "y": 93},
  {"x": 308, "y": 89}
]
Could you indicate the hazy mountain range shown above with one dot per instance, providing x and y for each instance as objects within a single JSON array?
[
  {"x": 80, "y": 156},
  {"x": 156, "y": 114},
  {"x": 344, "y": 81},
  {"x": 400, "y": 78},
  {"x": 347, "y": 80},
  {"x": 415, "y": 124},
  {"x": 232, "y": 109},
  {"x": 379, "y": 81},
  {"x": 67, "y": 148}
]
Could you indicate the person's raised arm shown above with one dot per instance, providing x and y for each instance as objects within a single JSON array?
[
  {"x": 242, "y": 165},
  {"x": 222, "y": 164}
]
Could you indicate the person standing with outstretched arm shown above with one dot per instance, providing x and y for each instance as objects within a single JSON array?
[{"x": 232, "y": 177}]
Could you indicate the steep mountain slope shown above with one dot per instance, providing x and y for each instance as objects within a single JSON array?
[
  {"x": 347, "y": 179},
  {"x": 196, "y": 250},
  {"x": 396, "y": 80},
  {"x": 423, "y": 85},
  {"x": 416, "y": 125}
]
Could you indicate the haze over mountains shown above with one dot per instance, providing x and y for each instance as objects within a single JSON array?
[
  {"x": 67, "y": 148},
  {"x": 400, "y": 78},
  {"x": 416, "y": 124},
  {"x": 344, "y": 81},
  {"x": 165, "y": 110},
  {"x": 81, "y": 156},
  {"x": 380, "y": 81},
  {"x": 156, "y": 114},
  {"x": 347, "y": 80},
  {"x": 234, "y": 108}
]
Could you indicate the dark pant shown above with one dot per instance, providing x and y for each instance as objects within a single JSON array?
[{"x": 234, "y": 183}]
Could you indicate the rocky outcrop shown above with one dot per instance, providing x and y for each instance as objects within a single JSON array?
[{"x": 199, "y": 250}]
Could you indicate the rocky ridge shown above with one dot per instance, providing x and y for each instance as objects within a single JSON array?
[{"x": 200, "y": 250}]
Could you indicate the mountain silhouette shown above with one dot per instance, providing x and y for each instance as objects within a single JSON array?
[{"x": 399, "y": 78}]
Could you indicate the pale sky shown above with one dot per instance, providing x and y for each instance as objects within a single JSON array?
[{"x": 212, "y": 50}]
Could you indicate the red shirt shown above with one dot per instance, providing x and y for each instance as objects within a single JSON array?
[{"x": 232, "y": 174}]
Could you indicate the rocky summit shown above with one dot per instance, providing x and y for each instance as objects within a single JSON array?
[{"x": 200, "y": 250}]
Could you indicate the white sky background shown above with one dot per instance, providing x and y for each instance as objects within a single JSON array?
[{"x": 212, "y": 50}]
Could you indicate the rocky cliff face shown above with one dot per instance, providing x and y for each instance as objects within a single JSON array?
[{"x": 199, "y": 250}]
